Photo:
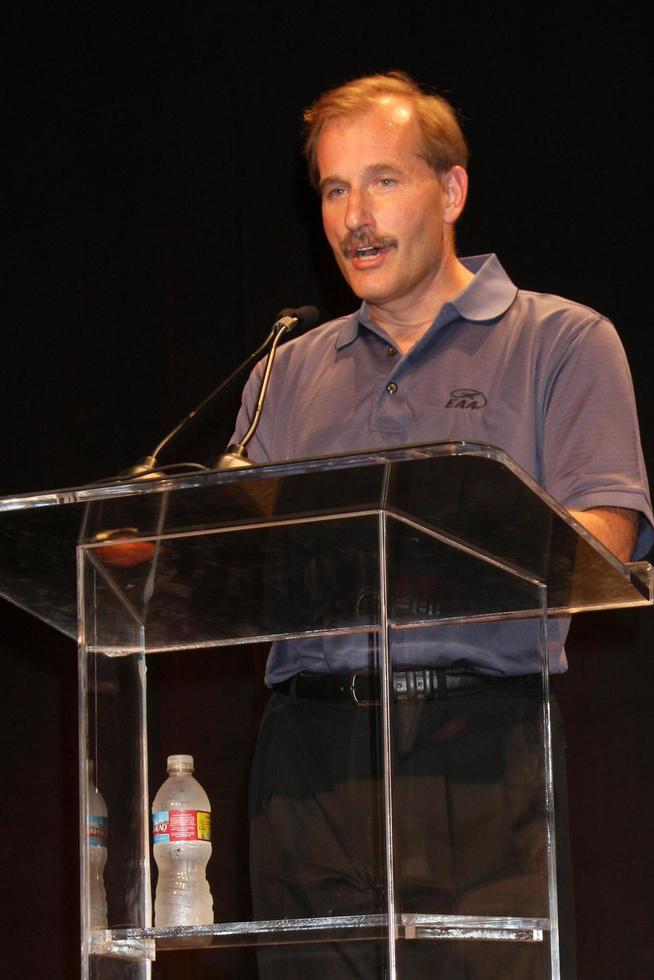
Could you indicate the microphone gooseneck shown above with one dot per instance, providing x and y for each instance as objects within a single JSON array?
[
  {"x": 288, "y": 319},
  {"x": 132, "y": 550},
  {"x": 236, "y": 456}
]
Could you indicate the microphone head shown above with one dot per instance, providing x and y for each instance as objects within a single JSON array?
[
  {"x": 309, "y": 317},
  {"x": 305, "y": 317}
]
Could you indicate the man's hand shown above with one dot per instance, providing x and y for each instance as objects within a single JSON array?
[{"x": 615, "y": 527}]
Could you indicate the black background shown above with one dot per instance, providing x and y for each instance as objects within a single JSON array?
[{"x": 158, "y": 216}]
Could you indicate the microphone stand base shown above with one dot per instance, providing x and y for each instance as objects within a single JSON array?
[{"x": 236, "y": 458}]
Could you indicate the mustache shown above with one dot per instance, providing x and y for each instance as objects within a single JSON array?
[{"x": 365, "y": 239}]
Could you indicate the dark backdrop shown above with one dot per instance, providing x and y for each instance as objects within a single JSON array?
[{"x": 159, "y": 217}]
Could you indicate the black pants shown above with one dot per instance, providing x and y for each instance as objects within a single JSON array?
[{"x": 469, "y": 814}]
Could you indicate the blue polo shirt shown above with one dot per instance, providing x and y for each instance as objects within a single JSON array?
[{"x": 541, "y": 377}]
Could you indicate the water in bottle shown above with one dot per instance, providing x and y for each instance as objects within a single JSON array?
[
  {"x": 181, "y": 837},
  {"x": 96, "y": 836}
]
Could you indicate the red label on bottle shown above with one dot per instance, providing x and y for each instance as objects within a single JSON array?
[
  {"x": 96, "y": 831},
  {"x": 189, "y": 825}
]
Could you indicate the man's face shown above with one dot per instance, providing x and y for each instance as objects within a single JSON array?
[{"x": 384, "y": 210}]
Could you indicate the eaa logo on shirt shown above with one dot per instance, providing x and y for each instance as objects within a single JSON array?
[{"x": 466, "y": 398}]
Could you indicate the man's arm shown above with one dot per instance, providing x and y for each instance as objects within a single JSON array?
[{"x": 615, "y": 527}]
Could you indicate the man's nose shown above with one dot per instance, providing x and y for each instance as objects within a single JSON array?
[{"x": 358, "y": 213}]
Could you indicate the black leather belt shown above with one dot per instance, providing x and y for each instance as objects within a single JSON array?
[{"x": 413, "y": 684}]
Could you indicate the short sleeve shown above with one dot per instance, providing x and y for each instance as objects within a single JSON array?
[{"x": 592, "y": 455}]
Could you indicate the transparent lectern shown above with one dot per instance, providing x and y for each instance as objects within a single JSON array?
[{"x": 368, "y": 547}]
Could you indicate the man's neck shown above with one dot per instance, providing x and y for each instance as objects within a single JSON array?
[{"x": 406, "y": 323}]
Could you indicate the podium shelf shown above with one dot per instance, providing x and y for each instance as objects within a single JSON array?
[{"x": 145, "y": 944}]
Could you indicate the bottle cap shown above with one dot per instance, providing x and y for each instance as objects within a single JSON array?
[{"x": 180, "y": 763}]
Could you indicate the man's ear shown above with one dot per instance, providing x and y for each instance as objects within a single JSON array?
[{"x": 455, "y": 185}]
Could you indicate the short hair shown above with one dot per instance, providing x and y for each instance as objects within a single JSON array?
[{"x": 443, "y": 143}]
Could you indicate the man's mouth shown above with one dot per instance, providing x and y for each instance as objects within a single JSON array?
[{"x": 366, "y": 251}]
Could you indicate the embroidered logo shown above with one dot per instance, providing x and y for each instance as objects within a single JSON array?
[{"x": 466, "y": 398}]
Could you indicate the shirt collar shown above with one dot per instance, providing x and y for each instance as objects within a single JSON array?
[
  {"x": 486, "y": 297},
  {"x": 350, "y": 329},
  {"x": 489, "y": 294}
]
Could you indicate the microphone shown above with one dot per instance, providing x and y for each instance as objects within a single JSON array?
[
  {"x": 287, "y": 319},
  {"x": 132, "y": 551},
  {"x": 305, "y": 317},
  {"x": 236, "y": 456}
]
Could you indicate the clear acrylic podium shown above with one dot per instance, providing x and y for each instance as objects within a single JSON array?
[{"x": 372, "y": 546}]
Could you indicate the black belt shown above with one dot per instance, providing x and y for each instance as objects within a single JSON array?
[{"x": 413, "y": 684}]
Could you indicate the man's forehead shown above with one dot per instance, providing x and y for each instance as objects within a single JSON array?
[
  {"x": 386, "y": 113},
  {"x": 388, "y": 129}
]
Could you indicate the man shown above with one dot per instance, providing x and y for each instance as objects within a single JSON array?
[{"x": 441, "y": 348}]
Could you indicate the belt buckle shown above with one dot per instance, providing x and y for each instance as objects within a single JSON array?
[{"x": 361, "y": 702}]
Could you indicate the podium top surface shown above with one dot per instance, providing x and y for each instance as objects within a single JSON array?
[{"x": 470, "y": 501}]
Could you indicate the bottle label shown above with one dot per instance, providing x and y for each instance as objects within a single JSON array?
[
  {"x": 175, "y": 825},
  {"x": 96, "y": 831}
]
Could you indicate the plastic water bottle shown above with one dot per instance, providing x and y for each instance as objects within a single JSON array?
[
  {"x": 181, "y": 838},
  {"x": 96, "y": 836}
]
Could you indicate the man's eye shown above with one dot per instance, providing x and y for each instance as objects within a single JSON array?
[
  {"x": 334, "y": 192},
  {"x": 386, "y": 181}
]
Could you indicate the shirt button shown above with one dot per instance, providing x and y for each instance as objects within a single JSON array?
[
  {"x": 391, "y": 350},
  {"x": 391, "y": 387}
]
